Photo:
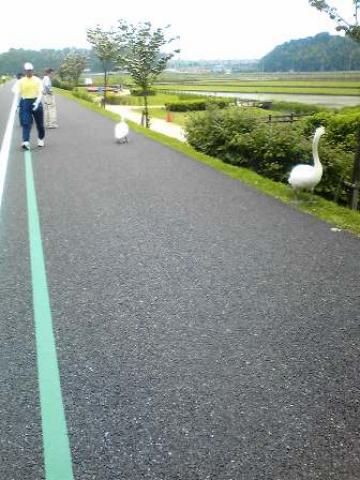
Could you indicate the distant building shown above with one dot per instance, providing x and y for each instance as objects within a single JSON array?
[
  {"x": 226, "y": 67},
  {"x": 245, "y": 66}
]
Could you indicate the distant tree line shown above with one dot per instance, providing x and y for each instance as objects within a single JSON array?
[{"x": 11, "y": 62}]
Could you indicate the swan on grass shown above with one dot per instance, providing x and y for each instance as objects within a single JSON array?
[
  {"x": 121, "y": 132},
  {"x": 306, "y": 177}
]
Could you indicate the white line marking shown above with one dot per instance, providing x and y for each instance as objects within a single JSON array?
[{"x": 5, "y": 146}]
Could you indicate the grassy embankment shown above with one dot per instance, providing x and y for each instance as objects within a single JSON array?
[{"x": 328, "y": 211}]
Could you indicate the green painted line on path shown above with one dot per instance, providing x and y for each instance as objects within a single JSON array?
[{"x": 57, "y": 455}]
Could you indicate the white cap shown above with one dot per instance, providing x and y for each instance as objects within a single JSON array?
[{"x": 28, "y": 66}]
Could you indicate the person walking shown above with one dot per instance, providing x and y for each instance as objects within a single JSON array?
[
  {"x": 30, "y": 92},
  {"x": 49, "y": 100}
]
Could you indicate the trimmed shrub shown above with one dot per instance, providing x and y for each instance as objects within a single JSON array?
[
  {"x": 213, "y": 131},
  {"x": 83, "y": 94},
  {"x": 186, "y": 106},
  {"x": 341, "y": 129},
  {"x": 56, "y": 82},
  {"x": 198, "y": 104},
  {"x": 338, "y": 165},
  {"x": 113, "y": 99}
]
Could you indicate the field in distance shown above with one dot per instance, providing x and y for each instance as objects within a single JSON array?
[{"x": 323, "y": 83}]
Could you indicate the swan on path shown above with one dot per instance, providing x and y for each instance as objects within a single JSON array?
[
  {"x": 306, "y": 177},
  {"x": 121, "y": 132}
]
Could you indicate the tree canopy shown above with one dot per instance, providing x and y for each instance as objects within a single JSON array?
[
  {"x": 105, "y": 48},
  {"x": 351, "y": 29},
  {"x": 72, "y": 67},
  {"x": 141, "y": 54},
  {"x": 12, "y": 61}
]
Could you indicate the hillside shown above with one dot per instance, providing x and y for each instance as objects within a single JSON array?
[{"x": 323, "y": 52}]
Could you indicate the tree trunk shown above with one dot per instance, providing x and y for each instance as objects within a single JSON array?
[
  {"x": 105, "y": 87},
  {"x": 356, "y": 174},
  {"x": 146, "y": 110}
]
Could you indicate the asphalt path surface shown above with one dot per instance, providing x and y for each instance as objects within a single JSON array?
[{"x": 204, "y": 331}]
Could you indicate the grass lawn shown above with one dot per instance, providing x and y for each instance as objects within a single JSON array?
[{"x": 176, "y": 117}]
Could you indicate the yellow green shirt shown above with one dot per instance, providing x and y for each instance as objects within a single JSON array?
[{"x": 29, "y": 87}]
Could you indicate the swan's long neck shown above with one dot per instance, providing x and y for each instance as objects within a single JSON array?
[{"x": 317, "y": 163}]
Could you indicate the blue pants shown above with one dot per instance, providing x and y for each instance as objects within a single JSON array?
[
  {"x": 27, "y": 115},
  {"x": 20, "y": 111}
]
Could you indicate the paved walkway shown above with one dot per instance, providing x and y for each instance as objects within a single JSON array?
[
  {"x": 158, "y": 125},
  {"x": 202, "y": 330}
]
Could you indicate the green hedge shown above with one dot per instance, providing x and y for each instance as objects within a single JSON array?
[
  {"x": 113, "y": 99},
  {"x": 56, "y": 82},
  {"x": 273, "y": 149},
  {"x": 83, "y": 94},
  {"x": 341, "y": 128},
  {"x": 198, "y": 104}
]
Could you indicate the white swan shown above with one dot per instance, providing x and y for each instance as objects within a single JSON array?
[
  {"x": 306, "y": 177},
  {"x": 121, "y": 132}
]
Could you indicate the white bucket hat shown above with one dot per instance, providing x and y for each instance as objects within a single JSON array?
[{"x": 28, "y": 66}]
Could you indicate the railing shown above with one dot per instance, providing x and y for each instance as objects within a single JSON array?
[{"x": 292, "y": 117}]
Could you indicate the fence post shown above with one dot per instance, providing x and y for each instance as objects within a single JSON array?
[{"x": 356, "y": 174}]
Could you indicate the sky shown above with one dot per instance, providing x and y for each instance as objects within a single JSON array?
[{"x": 231, "y": 29}]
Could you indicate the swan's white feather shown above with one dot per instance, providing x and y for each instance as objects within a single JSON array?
[
  {"x": 306, "y": 177},
  {"x": 121, "y": 130}
]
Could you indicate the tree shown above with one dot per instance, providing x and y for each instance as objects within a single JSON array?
[
  {"x": 72, "y": 67},
  {"x": 141, "y": 55},
  {"x": 106, "y": 49},
  {"x": 352, "y": 30}
]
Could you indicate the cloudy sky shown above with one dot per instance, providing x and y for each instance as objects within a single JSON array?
[{"x": 241, "y": 29}]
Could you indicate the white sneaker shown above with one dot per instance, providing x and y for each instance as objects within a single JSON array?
[
  {"x": 26, "y": 145},
  {"x": 41, "y": 143}
]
